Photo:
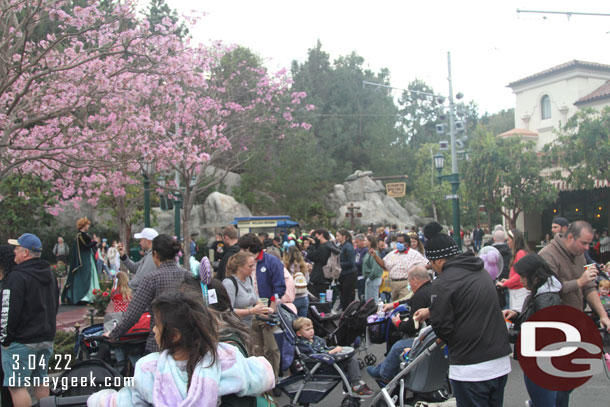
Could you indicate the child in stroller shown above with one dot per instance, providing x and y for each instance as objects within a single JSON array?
[{"x": 310, "y": 344}]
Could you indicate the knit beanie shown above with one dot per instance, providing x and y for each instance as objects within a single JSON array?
[{"x": 438, "y": 245}]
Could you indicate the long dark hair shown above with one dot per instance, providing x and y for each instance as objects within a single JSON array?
[
  {"x": 519, "y": 242},
  {"x": 183, "y": 312},
  {"x": 535, "y": 270},
  {"x": 222, "y": 311},
  {"x": 346, "y": 233},
  {"x": 372, "y": 241}
]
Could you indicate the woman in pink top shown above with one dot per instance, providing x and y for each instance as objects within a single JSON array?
[{"x": 517, "y": 293}]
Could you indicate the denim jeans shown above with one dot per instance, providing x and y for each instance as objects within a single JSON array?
[
  {"x": 302, "y": 304},
  {"x": 371, "y": 289},
  {"x": 489, "y": 393},
  {"x": 539, "y": 396},
  {"x": 390, "y": 367}
]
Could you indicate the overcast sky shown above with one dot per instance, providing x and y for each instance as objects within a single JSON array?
[{"x": 490, "y": 43}]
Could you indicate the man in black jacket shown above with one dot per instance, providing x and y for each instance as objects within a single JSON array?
[
  {"x": 30, "y": 301},
  {"x": 419, "y": 280},
  {"x": 230, "y": 238},
  {"x": 319, "y": 252},
  {"x": 466, "y": 315}
]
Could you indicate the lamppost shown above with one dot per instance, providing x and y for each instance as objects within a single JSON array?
[
  {"x": 454, "y": 180},
  {"x": 146, "y": 170}
]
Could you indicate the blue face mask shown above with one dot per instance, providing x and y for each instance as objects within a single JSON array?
[{"x": 400, "y": 247}]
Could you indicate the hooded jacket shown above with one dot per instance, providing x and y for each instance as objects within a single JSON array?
[
  {"x": 466, "y": 314},
  {"x": 507, "y": 256},
  {"x": 547, "y": 295},
  {"x": 319, "y": 254},
  {"x": 30, "y": 301}
]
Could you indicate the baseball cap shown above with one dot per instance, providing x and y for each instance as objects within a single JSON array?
[
  {"x": 27, "y": 241},
  {"x": 146, "y": 233}
]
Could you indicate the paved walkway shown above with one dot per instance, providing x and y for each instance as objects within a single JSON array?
[{"x": 69, "y": 315}]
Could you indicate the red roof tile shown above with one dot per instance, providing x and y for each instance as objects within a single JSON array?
[{"x": 600, "y": 93}]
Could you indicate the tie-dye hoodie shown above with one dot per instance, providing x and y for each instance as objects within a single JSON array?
[{"x": 160, "y": 381}]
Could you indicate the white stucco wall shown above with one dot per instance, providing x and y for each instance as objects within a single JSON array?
[{"x": 563, "y": 89}]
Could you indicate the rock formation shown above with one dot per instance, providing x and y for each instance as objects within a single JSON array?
[{"x": 370, "y": 196}]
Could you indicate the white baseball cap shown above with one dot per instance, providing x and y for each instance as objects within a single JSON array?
[{"x": 146, "y": 233}]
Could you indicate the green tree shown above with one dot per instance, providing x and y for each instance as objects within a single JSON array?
[
  {"x": 583, "y": 148},
  {"x": 157, "y": 11},
  {"x": 505, "y": 176},
  {"x": 353, "y": 126},
  {"x": 24, "y": 200}
]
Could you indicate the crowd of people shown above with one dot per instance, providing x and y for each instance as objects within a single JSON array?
[{"x": 465, "y": 294}]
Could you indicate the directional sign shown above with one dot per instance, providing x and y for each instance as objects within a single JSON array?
[
  {"x": 396, "y": 189},
  {"x": 452, "y": 196}
]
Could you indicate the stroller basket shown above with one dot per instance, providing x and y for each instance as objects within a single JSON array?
[{"x": 314, "y": 390}]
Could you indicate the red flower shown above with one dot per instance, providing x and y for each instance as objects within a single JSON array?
[
  {"x": 105, "y": 294},
  {"x": 95, "y": 291}
]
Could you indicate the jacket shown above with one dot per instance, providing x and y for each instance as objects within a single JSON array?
[
  {"x": 347, "y": 259},
  {"x": 161, "y": 381},
  {"x": 421, "y": 299},
  {"x": 465, "y": 312},
  {"x": 507, "y": 256},
  {"x": 30, "y": 301},
  {"x": 547, "y": 295},
  {"x": 370, "y": 269},
  {"x": 319, "y": 255},
  {"x": 568, "y": 269},
  {"x": 269, "y": 276},
  {"x": 222, "y": 266},
  {"x": 514, "y": 281},
  {"x": 142, "y": 269}
]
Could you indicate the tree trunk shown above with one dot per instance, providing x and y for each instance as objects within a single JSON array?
[{"x": 186, "y": 215}]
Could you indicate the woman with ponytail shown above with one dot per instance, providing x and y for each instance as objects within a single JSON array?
[{"x": 166, "y": 277}]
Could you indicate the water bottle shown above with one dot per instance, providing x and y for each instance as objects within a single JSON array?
[{"x": 380, "y": 313}]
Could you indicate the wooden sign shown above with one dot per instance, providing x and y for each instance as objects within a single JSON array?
[{"x": 396, "y": 189}]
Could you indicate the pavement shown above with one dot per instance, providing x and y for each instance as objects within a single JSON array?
[{"x": 69, "y": 315}]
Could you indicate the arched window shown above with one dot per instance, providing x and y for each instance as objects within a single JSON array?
[{"x": 545, "y": 107}]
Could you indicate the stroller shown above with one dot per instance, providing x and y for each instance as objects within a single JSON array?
[
  {"x": 313, "y": 376},
  {"x": 351, "y": 330},
  {"x": 92, "y": 344},
  {"x": 381, "y": 330},
  {"x": 423, "y": 377}
]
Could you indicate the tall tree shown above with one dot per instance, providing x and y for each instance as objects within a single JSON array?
[
  {"x": 583, "y": 148},
  {"x": 505, "y": 176},
  {"x": 354, "y": 126}
]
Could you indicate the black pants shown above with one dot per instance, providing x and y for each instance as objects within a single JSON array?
[
  {"x": 489, "y": 393},
  {"x": 347, "y": 284}
]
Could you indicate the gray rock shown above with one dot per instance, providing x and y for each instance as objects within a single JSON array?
[
  {"x": 375, "y": 206},
  {"x": 222, "y": 209}
]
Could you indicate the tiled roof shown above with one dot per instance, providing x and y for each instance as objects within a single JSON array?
[
  {"x": 574, "y": 64},
  {"x": 602, "y": 92},
  {"x": 518, "y": 133}
]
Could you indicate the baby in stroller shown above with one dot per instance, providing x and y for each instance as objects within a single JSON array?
[{"x": 309, "y": 344}]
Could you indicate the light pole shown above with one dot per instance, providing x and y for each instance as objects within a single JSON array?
[{"x": 146, "y": 170}]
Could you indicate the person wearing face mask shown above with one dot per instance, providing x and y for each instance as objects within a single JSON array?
[{"x": 398, "y": 263}]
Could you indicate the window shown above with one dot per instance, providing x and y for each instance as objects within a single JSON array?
[{"x": 545, "y": 107}]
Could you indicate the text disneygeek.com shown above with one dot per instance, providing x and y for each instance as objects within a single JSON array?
[{"x": 66, "y": 383}]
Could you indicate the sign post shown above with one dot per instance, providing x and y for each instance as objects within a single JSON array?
[{"x": 396, "y": 189}]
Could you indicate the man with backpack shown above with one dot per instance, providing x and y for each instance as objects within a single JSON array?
[{"x": 319, "y": 252}]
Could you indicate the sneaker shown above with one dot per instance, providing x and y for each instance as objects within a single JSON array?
[
  {"x": 528, "y": 404},
  {"x": 362, "y": 390}
]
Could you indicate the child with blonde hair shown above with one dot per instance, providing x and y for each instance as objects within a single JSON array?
[
  {"x": 121, "y": 293},
  {"x": 309, "y": 343}
]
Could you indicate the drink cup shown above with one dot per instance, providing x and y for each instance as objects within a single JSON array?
[
  {"x": 329, "y": 295},
  {"x": 591, "y": 267},
  {"x": 264, "y": 301},
  {"x": 322, "y": 297}
]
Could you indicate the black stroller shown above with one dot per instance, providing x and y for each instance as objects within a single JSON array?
[
  {"x": 423, "y": 377},
  {"x": 313, "y": 376}
]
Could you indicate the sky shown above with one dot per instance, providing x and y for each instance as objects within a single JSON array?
[{"x": 491, "y": 44}]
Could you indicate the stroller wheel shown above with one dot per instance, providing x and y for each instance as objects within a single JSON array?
[
  {"x": 370, "y": 359},
  {"x": 350, "y": 402},
  {"x": 361, "y": 364}
]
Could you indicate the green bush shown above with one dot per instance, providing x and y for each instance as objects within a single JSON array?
[{"x": 63, "y": 350}]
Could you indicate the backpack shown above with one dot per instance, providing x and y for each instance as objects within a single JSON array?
[
  {"x": 332, "y": 268},
  {"x": 235, "y": 283}
]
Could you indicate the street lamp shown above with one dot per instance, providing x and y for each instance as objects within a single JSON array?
[
  {"x": 146, "y": 170},
  {"x": 439, "y": 161}
]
